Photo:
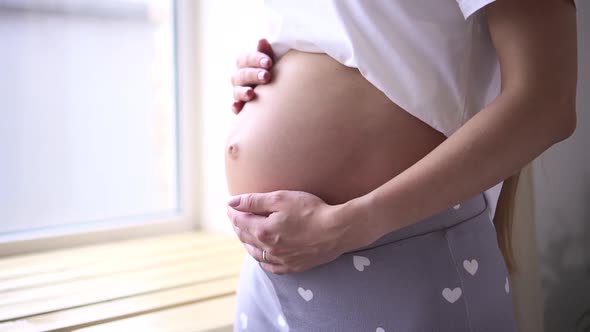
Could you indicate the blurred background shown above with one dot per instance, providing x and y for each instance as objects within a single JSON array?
[
  {"x": 89, "y": 112},
  {"x": 113, "y": 122},
  {"x": 561, "y": 181},
  {"x": 94, "y": 102}
]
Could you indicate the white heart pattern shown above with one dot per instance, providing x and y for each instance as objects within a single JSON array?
[
  {"x": 281, "y": 321},
  {"x": 507, "y": 286},
  {"x": 360, "y": 262},
  {"x": 306, "y": 294},
  {"x": 244, "y": 319},
  {"x": 452, "y": 295},
  {"x": 457, "y": 207},
  {"x": 380, "y": 329},
  {"x": 471, "y": 266}
]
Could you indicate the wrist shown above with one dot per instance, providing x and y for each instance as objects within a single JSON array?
[{"x": 352, "y": 220}]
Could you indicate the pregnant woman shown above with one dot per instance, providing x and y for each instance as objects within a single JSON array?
[{"x": 361, "y": 169}]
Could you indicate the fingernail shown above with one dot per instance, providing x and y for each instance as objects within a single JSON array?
[
  {"x": 234, "y": 201},
  {"x": 250, "y": 93},
  {"x": 261, "y": 75},
  {"x": 265, "y": 62}
]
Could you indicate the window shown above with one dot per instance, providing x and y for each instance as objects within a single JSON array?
[{"x": 91, "y": 143}]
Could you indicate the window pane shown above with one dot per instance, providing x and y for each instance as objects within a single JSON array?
[{"x": 87, "y": 101}]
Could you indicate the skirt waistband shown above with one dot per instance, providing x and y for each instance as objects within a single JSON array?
[{"x": 448, "y": 218}]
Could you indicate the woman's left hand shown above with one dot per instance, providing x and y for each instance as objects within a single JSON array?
[{"x": 297, "y": 230}]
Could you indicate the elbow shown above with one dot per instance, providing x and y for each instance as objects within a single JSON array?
[
  {"x": 556, "y": 113},
  {"x": 570, "y": 126},
  {"x": 566, "y": 121}
]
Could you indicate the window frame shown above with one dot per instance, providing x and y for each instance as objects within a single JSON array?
[{"x": 189, "y": 169}]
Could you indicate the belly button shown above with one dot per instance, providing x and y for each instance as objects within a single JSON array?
[{"x": 232, "y": 149}]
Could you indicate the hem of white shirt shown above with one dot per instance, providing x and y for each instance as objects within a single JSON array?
[{"x": 468, "y": 7}]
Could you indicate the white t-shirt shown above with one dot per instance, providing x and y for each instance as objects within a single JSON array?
[{"x": 433, "y": 58}]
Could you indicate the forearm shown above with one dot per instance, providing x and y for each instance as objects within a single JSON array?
[{"x": 490, "y": 147}]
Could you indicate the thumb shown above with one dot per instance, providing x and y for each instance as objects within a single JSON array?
[
  {"x": 264, "y": 47},
  {"x": 257, "y": 203}
]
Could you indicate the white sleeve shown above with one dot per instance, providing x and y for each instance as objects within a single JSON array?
[{"x": 469, "y": 7}]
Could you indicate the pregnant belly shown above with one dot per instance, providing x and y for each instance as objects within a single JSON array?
[{"x": 320, "y": 127}]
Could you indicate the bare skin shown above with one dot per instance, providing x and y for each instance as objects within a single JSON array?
[
  {"x": 536, "y": 46},
  {"x": 306, "y": 132}
]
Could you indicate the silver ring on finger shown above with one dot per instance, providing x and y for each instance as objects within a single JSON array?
[{"x": 264, "y": 258}]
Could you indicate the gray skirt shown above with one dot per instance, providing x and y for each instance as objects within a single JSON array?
[{"x": 444, "y": 273}]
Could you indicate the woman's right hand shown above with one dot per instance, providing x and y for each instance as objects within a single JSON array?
[{"x": 253, "y": 69}]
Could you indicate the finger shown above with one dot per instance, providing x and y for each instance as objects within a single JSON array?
[
  {"x": 254, "y": 60},
  {"x": 250, "y": 76},
  {"x": 243, "y": 93},
  {"x": 250, "y": 223},
  {"x": 237, "y": 106},
  {"x": 256, "y": 253},
  {"x": 247, "y": 238},
  {"x": 259, "y": 203},
  {"x": 264, "y": 47}
]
